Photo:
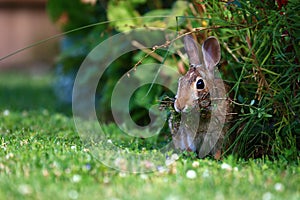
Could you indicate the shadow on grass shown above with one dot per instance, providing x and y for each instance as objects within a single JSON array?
[{"x": 21, "y": 92}]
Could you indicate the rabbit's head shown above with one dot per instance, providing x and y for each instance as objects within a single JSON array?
[{"x": 194, "y": 86}]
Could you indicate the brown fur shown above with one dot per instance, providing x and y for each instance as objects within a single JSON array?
[{"x": 203, "y": 111}]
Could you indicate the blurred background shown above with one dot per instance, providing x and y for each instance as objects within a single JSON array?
[{"x": 24, "y": 22}]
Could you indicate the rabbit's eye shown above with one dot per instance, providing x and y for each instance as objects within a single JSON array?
[{"x": 200, "y": 84}]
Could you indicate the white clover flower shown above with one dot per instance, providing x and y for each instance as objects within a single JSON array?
[
  {"x": 144, "y": 176},
  {"x": 25, "y": 189},
  {"x": 195, "y": 164},
  {"x": 109, "y": 141},
  {"x": 76, "y": 178},
  {"x": 226, "y": 166},
  {"x": 191, "y": 174},
  {"x": 174, "y": 156},
  {"x": 172, "y": 159},
  {"x": 279, "y": 187},
  {"x": 6, "y": 112},
  {"x": 9, "y": 155}
]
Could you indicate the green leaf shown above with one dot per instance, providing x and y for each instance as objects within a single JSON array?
[
  {"x": 178, "y": 9},
  {"x": 123, "y": 15},
  {"x": 267, "y": 115},
  {"x": 157, "y": 18}
]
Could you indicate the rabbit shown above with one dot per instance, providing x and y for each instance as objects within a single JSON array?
[{"x": 200, "y": 102}]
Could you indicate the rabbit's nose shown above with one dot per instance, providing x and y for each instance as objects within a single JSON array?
[{"x": 178, "y": 107}]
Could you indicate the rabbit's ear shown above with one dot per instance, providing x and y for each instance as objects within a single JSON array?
[
  {"x": 211, "y": 52},
  {"x": 192, "y": 50}
]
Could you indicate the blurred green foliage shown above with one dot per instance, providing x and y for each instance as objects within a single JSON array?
[
  {"x": 260, "y": 59},
  {"x": 113, "y": 17}
]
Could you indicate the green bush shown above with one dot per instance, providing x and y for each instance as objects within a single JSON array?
[{"x": 260, "y": 60}]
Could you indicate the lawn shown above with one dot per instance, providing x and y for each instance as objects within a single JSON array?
[{"x": 42, "y": 157}]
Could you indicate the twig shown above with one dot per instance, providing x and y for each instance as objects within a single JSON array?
[
  {"x": 147, "y": 51},
  {"x": 168, "y": 42},
  {"x": 230, "y": 52}
]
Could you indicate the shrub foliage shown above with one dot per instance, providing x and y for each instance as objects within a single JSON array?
[{"x": 260, "y": 59}]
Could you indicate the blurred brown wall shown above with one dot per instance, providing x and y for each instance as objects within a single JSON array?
[{"x": 22, "y": 23}]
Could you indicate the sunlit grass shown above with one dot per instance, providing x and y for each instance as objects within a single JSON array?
[{"x": 42, "y": 157}]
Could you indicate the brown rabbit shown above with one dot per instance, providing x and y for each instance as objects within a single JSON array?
[{"x": 201, "y": 102}]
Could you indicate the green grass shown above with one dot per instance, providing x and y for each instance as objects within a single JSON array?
[{"x": 42, "y": 157}]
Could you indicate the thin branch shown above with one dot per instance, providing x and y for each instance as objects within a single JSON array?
[
  {"x": 147, "y": 51},
  {"x": 230, "y": 52}
]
